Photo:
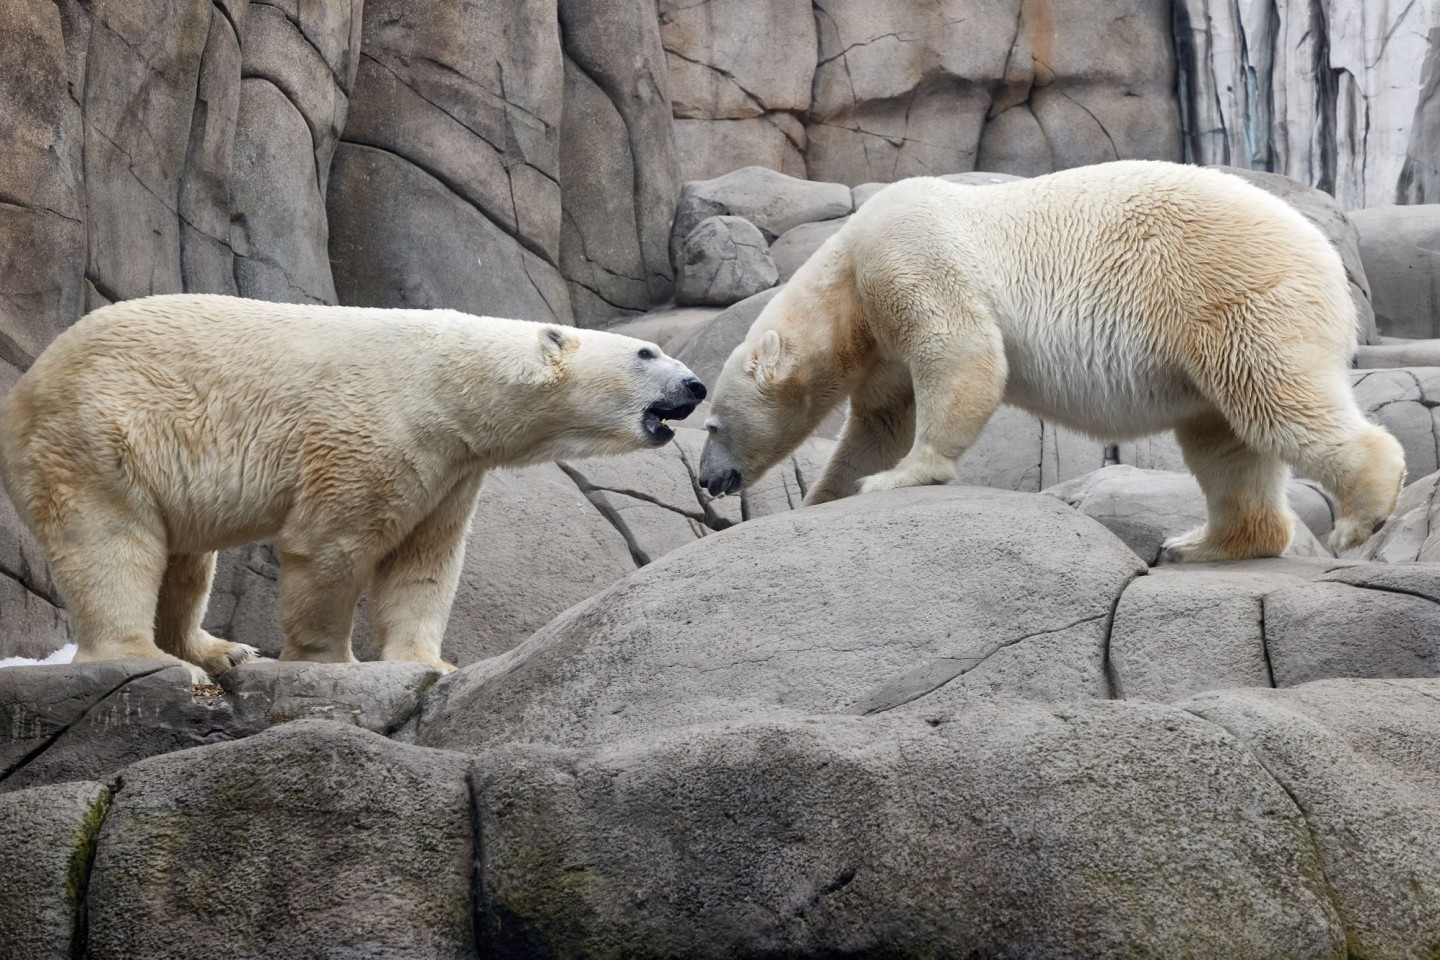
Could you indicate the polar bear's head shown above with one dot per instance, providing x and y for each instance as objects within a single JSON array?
[
  {"x": 611, "y": 394},
  {"x": 763, "y": 408}
]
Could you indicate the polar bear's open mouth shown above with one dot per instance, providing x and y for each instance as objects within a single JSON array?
[{"x": 655, "y": 416}]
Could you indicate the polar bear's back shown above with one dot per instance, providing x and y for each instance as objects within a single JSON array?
[{"x": 1114, "y": 284}]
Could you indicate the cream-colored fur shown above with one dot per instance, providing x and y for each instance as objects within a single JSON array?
[
  {"x": 157, "y": 431},
  {"x": 1120, "y": 299}
]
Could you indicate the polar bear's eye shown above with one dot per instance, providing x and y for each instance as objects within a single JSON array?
[{"x": 647, "y": 354}]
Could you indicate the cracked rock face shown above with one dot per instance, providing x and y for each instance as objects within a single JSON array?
[
  {"x": 47, "y": 838},
  {"x": 1014, "y": 829},
  {"x": 1412, "y": 534},
  {"x": 353, "y": 839},
  {"x": 985, "y": 590},
  {"x": 1337, "y": 95},
  {"x": 723, "y": 261}
]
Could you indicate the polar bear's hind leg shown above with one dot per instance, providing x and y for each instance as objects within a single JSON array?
[{"x": 1245, "y": 498}]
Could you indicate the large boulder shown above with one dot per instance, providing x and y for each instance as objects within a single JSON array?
[
  {"x": 313, "y": 838},
  {"x": 47, "y": 840},
  {"x": 1400, "y": 247},
  {"x": 1360, "y": 760},
  {"x": 991, "y": 830},
  {"x": 771, "y": 201},
  {"x": 983, "y": 592},
  {"x": 1144, "y": 508},
  {"x": 723, "y": 261},
  {"x": 1404, "y": 402}
]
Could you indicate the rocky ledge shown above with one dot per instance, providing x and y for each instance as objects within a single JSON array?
[{"x": 950, "y": 720}]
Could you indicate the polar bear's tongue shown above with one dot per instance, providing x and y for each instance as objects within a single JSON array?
[{"x": 656, "y": 415}]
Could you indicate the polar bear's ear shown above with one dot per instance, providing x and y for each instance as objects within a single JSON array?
[
  {"x": 769, "y": 364},
  {"x": 555, "y": 341}
]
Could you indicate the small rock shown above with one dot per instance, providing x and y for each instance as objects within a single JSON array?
[{"x": 723, "y": 261}]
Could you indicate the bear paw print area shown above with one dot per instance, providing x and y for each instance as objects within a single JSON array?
[{"x": 999, "y": 713}]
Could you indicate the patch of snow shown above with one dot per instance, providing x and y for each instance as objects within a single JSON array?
[{"x": 64, "y": 655}]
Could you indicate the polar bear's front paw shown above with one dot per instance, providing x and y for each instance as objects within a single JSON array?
[
  {"x": 908, "y": 476},
  {"x": 217, "y": 656}
]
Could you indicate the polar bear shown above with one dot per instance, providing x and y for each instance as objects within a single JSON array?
[
  {"x": 1119, "y": 299},
  {"x": 156, "y": 431}
]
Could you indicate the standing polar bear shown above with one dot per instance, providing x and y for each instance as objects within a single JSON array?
[
  {"x": 156, "y": 431},
  {"x": 1119, "y": 299}
]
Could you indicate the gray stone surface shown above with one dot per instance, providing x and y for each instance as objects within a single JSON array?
[
  {"x": 798, "y": 244},
  {"x": 1420, "y": 175},
  {"x": 1400, "y": 247},
  {"x": 88, "y": 721},
  {"x": 1146, "y": 507},
  {"x": 739, "y": 74},
  {"x": 1398, "y": 352},
  {"x": 619, "y": 178},
  {"x": 1007, "y": 829},
  {"x": 771, "y": 201},
  {"x": 787, "y": 614},
  {"x": 313, "y": 838},
  {"x": 1404, "y": 402},
  {"x": 47, "y": 839},
  {"x": 1359, "y": 758},
  {"x": 1373, "y": 620},
  {"x": 1413, "y": 532},
  {"x": 42, "y": 206},
  {"x": 723, "y": 260},
  {"x": 380, "y": 697},
  {"x": 909, "y": 88},
  {"x": 1188, "y": 628},
  {"x": 1331, "y": 94}
]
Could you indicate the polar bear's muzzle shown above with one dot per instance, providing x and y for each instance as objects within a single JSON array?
[
  {"x": 720, "y": 472},
  {"x": 684, "y": 398}
]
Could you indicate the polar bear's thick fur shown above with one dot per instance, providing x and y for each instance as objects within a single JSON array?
[
  {"x": 1120, "y": 299},
  {"x": 156, "y": 431}
]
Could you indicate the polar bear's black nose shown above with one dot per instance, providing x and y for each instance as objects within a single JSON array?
[{"x": 696, "y": 388}]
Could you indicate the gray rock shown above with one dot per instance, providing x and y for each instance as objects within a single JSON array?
[
  {"x": 380, "y": 697},
  {"x": 1420, "y": 174},
  {"x": 1258, "y": 85},
  {"x": 1000, "y": 829},
  {"x": 1403, "y": 401},
  {"x": 669, "y": 328},
  {"x": 42, "y": 218},
  {"x": 472, "y": 94},
  {"x": 723, "y": 260},
  {"x": 1321, "y": 209},
  {"x": 88, "y": 721},
  {"x": 1188, "y": 628},
  {"x": 1400, "y": 247},
  {"x": 1398, "y": 353},
  {"x": 1373, "y": 620},
  {"x": 771, "y": 201},
  {"x": 47, "y": 839},
  {"x": 399, "y": 237},
  {"x": 1360, "y": 759},
  {"x": 909, "y": 88},
  {"x": 786, "y": 614},
  {"x": 313, "y": 837},
  {"x": 1412, "y": 534},
  {"x": 799, "y": 244},
  {"x": 727, "y": 71},
  {"x": 713, "y": 148},
  {"x": 628, "y": 140},
  {"x": 1145, "y": 507}
]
